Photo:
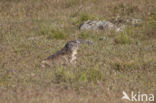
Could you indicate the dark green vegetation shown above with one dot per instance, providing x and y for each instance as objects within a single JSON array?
[{"x": 31, "y": 30}]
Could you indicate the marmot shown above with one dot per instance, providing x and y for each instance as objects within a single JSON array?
[{"x": 66, "y": 55}]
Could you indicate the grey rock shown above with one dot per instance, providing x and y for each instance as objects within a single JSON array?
[
  {"x": 34, "y": 38},
  {"x": 136, "y": 21},
  {"x": 126, "y": 21},
  {"x": 103, "y": 38},
  {"x": 100, "y": 25},
  {"x": 85, "y": 41}
]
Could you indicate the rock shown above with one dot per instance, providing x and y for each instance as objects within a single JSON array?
[
  {"x": 85, "y": 41},
  {"x": 34, "y": 38},
  {"x": 100, "y": 25},
  {"x": 136, "y": 21},
  {"x": 89, "y": 42},
  {"x": 137, "y": 43},
  {"x": 126, "y": 21},
  {"x": 103, "y": 38}
]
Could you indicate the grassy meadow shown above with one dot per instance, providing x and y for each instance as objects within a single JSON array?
[{"x": 31, "y": 30}]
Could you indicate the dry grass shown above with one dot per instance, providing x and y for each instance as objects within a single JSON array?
[{"x": 31, "y": 30}]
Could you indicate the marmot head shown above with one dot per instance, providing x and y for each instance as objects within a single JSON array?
[{"x": 73, "y": 45}]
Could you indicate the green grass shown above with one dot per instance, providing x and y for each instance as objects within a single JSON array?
[
  {"x": 85, "y": 35},
  {"x": 127, "y": 36},
  {"x": 84, "y": 16},
  {"x": 123, "y": 39},
  {"x": 70, "y": 3},
  {"x": 52, "y": 32},
  {"x": 62, "y": 75}
]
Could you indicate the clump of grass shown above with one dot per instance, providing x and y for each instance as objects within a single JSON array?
[
  {"x": 44, "y": 29},
  {"x": 87, "y": 34},
  {"x": 52, "y": 32},
  {"x": 4, "y": 80},
  {"x": 91, "y": 75},
  {"x": 134, "y": 65},
  {"x": 125, "y": 9},
  {"x": 84, "y": 17},
  {"x": 84, "y": 35},
  {"x": 64, "y": 75},
  {"x": 125, "y": 37},
  {"x": 57, "y": 34},
  {"x": 149, "y": 28},
  {"x": 126, "y": 66},
  {"x": 70, "y": 3}
]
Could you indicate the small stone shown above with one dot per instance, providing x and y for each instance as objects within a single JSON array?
[
  {"x": 34, "y": 38},
  {"x": 136, "y": 21},
  {"x": 137, "y": 43},
  {"x": 103, "y": 38}
]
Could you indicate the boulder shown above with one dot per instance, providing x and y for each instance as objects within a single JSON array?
[{"x": 100, "y": 25}]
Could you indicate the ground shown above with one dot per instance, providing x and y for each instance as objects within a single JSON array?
[{"x": 31, "y": 30}]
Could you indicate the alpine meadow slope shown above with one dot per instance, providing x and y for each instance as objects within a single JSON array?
[{"x": 31, "y": 30}]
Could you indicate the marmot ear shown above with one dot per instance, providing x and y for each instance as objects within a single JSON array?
[{"x": 67, "y": 46}]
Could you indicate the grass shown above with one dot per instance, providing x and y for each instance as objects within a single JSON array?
[
  {"x": 52, "y": 32},
  {"x": 124, "y": 37},
  {"x": 32, "y": 30},
  {"x": 86, "y": 35},
  {"x": 82, "y": 17},
  {"x": 65, "y": 75},
  {"x": 70, "y": 3}
]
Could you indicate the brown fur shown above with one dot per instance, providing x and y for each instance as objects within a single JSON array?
[{"x": 64, "y": 56}]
